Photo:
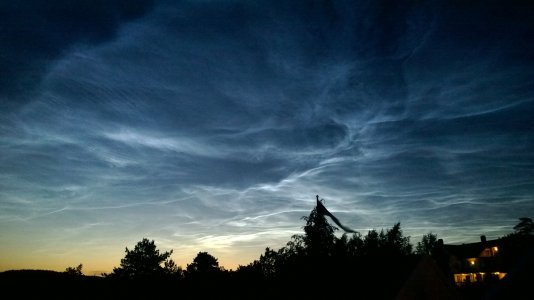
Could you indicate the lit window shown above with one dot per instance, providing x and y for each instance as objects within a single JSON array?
[{"x": 500, "y": 275}]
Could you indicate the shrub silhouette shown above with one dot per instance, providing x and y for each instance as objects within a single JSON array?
[{"x": 76, "y": 271}]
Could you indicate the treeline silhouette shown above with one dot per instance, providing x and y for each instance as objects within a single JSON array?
[{"x": 314, "y": 264}]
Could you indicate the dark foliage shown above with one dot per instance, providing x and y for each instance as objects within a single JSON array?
[
  {"x": 74, "y": 271},
  {"x": 427, "y": 245},
  {"x": 315, "y": 264},
  {"x": 525, "y": 226},
  {"x": 145, "y": 261}
]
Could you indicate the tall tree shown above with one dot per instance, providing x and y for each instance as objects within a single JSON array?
[
  {"x": 355, "y": 245},
  {"x": 525, "y": 226},
  {"x": 427, "y": 245},
  {"x": 143, "y": 261},
  {"x": 396, "y": 243},
  {"x": 371, "y": 243},
  {"x": 318, "y": 234},
  {"x": 203, "y": 264},
  {"x": 268, "y": 263}
]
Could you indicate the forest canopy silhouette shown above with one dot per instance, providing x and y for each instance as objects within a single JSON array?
[{"x": 315, "y": 262}]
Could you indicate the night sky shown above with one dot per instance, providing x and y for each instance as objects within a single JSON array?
[{"x": 211, "y": 125}]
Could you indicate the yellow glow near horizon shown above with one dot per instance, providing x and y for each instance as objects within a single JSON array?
[{"x": 104, "y": 262}]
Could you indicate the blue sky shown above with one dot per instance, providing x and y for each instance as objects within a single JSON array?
[{"x": 211, "y": 125}]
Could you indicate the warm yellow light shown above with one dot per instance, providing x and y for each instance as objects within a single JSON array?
[
  {"x": 472, "y": 262},
  {"x": 495, "y": 249}
]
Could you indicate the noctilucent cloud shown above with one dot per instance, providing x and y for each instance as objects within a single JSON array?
[{"x": 211, "y": 125}]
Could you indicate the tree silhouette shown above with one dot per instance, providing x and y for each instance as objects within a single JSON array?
[
  {"x": 172, "y": 269},
  {"x": 525, "y": 226},
  {"x": 319, "y": 235},
  {"x": 389, "y": 242},
  {"x": 77, "y": 271},
  {"x": 144, "y": 261},
  {"x": 268, "y": 263},
  {"x": 204, "y": 264},
  {"x": 355, "y": 245},
  {"x": 427, "y": 245},
  {"x": 371, "y": 243},
  {"x": 395, "y": 243}
]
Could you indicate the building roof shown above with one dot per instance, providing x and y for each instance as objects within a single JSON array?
[{"x": 471, "y": 249}]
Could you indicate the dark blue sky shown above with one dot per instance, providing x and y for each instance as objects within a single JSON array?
[{"x": 211, "y": 125}]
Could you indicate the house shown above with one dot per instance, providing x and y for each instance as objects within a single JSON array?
[
  {"x": 477, "y": 262},
  {"x": 487, "y": 262}
]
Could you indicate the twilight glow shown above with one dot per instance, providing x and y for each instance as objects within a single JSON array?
[{"x": 211, "y": 125}]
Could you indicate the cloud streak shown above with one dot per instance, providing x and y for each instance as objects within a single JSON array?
[{"x": 37, "y": 33}]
